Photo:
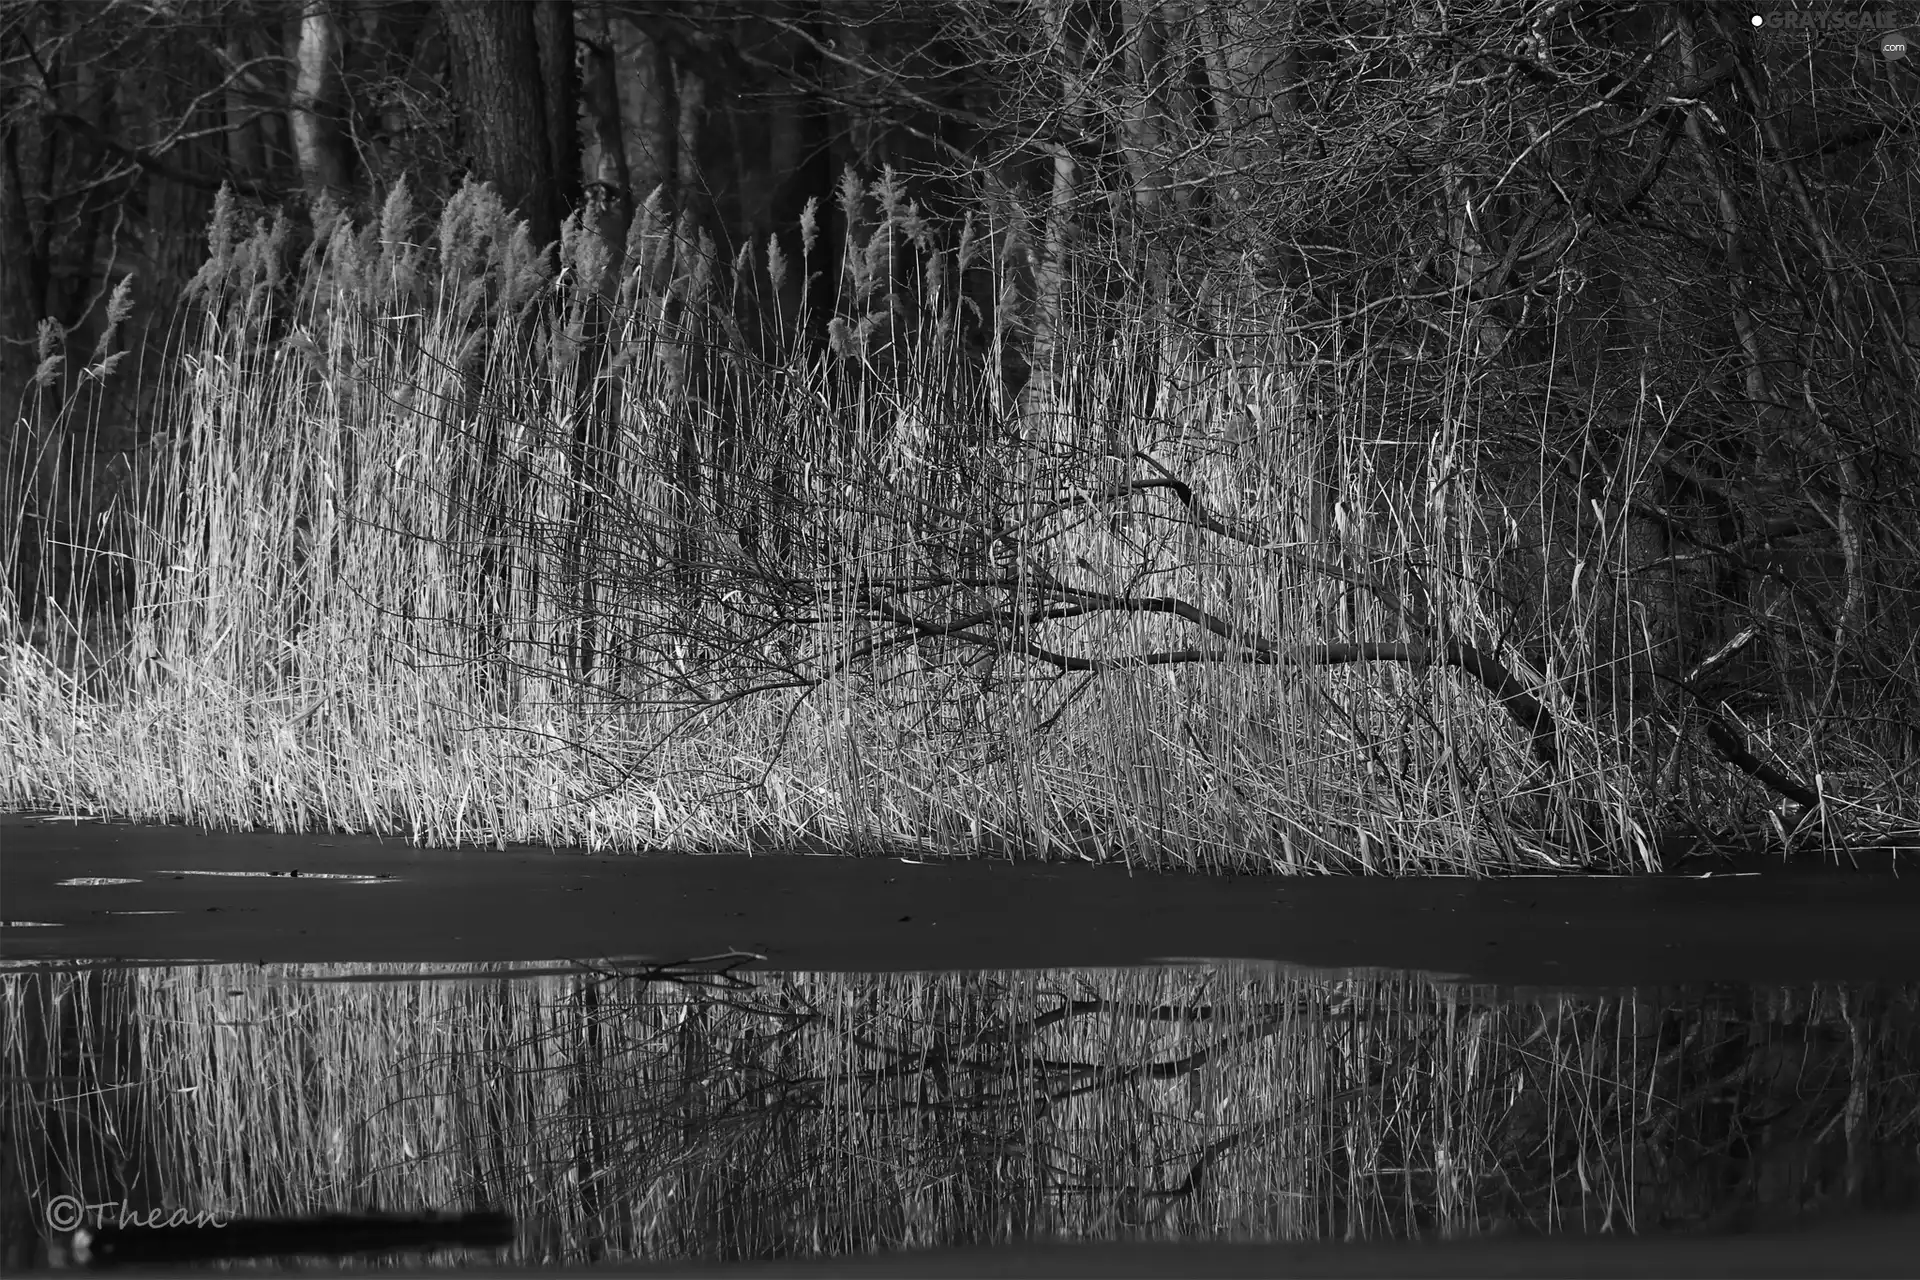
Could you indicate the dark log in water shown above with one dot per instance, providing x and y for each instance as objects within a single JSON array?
[{"x": 331, "y": 1235}]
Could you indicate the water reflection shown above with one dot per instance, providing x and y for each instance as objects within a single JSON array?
[{"x": 706, "y": 1112}]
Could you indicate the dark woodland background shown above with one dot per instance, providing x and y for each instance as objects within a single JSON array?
[{"x": 1663, "y": 262}]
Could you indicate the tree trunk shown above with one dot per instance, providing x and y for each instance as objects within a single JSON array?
[
  {"x": 1051, "y": 273},
  {"x": 314, "y": 111},
  {"x": 553, "y": 26},
  {"x": 244, "y": 152},
  {"x": 649, "y": 111},
  {"x": 609, "y": 179},
  {"x": 691, "y": 91},
  {"x": 503, "y": 99}
]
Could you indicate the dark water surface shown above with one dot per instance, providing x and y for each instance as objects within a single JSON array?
[
  {"x": 807, "y": 1065},
  {"x": 262, "y": 897}
]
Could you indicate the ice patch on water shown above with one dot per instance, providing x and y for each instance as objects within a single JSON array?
[{"x": 292, "y": 875}]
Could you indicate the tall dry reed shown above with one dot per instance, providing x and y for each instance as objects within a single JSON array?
[{"x": 446, "y": 543}]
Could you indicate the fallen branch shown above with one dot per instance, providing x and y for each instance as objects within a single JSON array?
[{"x": 1731, "y": 742}]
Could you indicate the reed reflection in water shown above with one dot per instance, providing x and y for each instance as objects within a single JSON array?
[{"x": 703, "y": 1112}]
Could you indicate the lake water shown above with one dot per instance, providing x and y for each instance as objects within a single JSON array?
[{"x": 786, "y": 1064}]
